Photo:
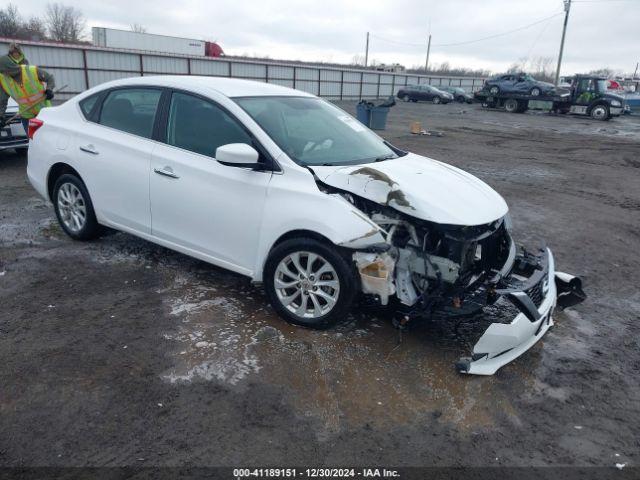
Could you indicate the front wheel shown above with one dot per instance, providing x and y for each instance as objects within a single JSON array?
[
  {"x": 436, "y": 100},
  {"x": 405, "y": 98},
  {"x": 600, "y": 112},
  {"x": 74, "y": 209},
  {"x": 309, "y": 283}
]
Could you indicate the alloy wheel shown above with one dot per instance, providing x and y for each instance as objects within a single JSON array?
[
  {"x": 72, "y": 207},
  {"x": 306, "y": 284}
]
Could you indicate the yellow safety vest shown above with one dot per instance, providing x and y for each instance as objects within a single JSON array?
[{"x": 29, "y": 94}]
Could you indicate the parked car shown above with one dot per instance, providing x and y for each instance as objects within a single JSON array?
[
  {"x": 518, "y": 83},
  {"x": 289, "y": 190},
  {"x": 459, "y": 94},
  {"x": 415, "y": 93},
  {"x": 12, "y": 135}
]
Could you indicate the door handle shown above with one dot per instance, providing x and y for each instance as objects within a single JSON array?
[
  {"x": 89, "y": 149},
  {"x": 166, "y": 171}
]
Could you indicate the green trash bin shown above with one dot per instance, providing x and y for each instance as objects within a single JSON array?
[{"x": 379, "y": 118}]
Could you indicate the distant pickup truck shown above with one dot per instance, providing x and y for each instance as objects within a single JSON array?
[
  {"x": 12, "y": 135},
  {"x": 587, "y": 95}
]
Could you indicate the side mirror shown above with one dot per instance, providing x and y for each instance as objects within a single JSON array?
[{"x": 238, "y": 155}]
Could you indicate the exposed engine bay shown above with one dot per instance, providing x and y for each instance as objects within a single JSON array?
[{"x": 427, "y": 269}]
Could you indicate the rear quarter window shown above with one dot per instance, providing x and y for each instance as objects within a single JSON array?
[{"x": 87, "y": 105}]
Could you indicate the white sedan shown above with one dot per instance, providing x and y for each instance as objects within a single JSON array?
[{"x": 286, "y": 188}]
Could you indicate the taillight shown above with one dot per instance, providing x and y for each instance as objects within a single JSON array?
[{"x": 34, "y": 125}]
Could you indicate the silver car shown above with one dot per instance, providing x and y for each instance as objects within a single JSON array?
[{"x": 12, "y": 135}]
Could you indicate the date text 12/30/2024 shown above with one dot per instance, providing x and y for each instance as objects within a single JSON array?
[{"x": 242, "y": 473}]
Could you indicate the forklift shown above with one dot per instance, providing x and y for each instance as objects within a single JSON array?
[{"x": 587, "y": 96}]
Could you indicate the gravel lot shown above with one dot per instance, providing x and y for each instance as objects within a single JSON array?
[{"x": 118, "y": 352}]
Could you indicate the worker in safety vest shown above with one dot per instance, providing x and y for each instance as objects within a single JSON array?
[{"x": 31, "y": 87}]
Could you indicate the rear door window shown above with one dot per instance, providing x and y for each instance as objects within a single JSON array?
[
  {"x": 132, "y": 110},
  {"x": 200, "y": 126}
]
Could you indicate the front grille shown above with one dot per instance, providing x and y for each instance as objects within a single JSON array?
[{"x": 536, "y": 293}]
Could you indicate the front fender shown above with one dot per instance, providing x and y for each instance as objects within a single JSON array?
[{"x": 294, "y": 202}]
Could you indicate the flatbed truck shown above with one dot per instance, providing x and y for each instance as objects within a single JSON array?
[{"x": 587, "y": 96}]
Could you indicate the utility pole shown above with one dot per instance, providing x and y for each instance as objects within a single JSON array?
[
  {"x": 366, "y": 51},
  {"x": 567, "y": 7},
  {"x": 426, "y": 64}
]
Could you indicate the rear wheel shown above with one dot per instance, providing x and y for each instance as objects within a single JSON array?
[
  {"x": 436, "y": 100},
  {"x": 600, "y": 112},
  {"x": 309, "y": 283},
  {"x": 405, "y": 98},
  {"x": 74, "y": 209},
  {"x": 512, "y": 105}
]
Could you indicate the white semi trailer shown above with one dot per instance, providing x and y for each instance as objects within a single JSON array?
[{"x": 114, "y": 38}]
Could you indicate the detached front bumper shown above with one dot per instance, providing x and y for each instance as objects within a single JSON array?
[{"x": 536, "y": 299}]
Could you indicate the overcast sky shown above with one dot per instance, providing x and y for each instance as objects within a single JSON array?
[{"x": 601, "y": 33}]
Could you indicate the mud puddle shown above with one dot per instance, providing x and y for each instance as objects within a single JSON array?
[{"x": 360, "y": 372}]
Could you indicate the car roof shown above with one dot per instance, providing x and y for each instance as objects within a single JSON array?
[{"x": 229, "y": 87}]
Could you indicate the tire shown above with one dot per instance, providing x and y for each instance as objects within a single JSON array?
[
  {"x": 74, "y": 208},
  {"x": 460, "y": 99},
  {"x": 600, "y": 112},
  {"x": 511, "y": 105},
  {"x": 334, "y": 298},
  {"x": 405, "y": 98},
  {"x": 494, "y": 90},
  {"x": 22, "y": 151},
  {"x": 535, "y": 92},
  {"x": 436, "y": 100}
]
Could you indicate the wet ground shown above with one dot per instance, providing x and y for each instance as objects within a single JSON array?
[{"x": 118, "y": 352}]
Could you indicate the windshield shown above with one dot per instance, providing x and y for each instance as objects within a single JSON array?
[{"x": 314, "y": 132}]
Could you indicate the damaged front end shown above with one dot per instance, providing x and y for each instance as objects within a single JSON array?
[{"x": 434, "y": 270}]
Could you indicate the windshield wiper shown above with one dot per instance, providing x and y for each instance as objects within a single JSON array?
[{"x": 388, "y": 156}]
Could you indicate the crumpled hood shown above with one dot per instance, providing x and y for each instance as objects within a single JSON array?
[{"x": 421, "y": 187}]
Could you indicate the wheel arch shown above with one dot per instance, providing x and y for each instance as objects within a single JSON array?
[
  {"x": 55, "y": 172},
  {"x": 301, "y": 233},
  {"x": 595, "y": 103},
  {"x": 291, "y": 234}
]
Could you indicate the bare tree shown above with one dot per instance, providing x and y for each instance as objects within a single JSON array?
[
  {"x": 604, "y": 72},
  {"x": 357, "y": 59},
  {"x": 64, "y": 23},
  {"x": 136, "y": 27},
  {"x": 34, "y": 29},
  {"x": 10, "y": 21}
]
